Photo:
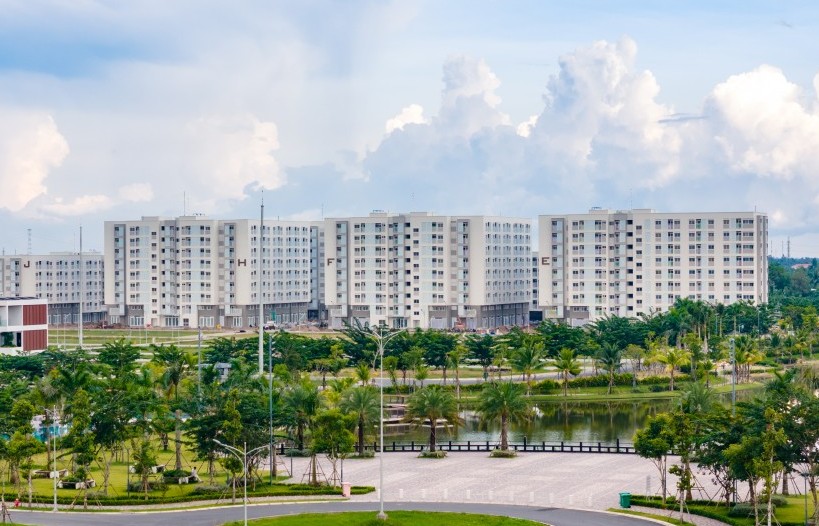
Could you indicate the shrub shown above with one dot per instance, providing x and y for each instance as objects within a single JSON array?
[
  {"x": 546, "y": 386},
  {"x": 206, "y": 489},
  {"x": 501, "y": 453},
  {"x": 366, "y": 454},
  {"x": 298, "y": 453},
  {"x": 175, "y": 473},
  {"x": 432, "y": 454},
  {"x": 745, "y": 509}
]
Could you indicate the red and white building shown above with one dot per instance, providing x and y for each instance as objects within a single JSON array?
[{"x": 23, "y": 325}]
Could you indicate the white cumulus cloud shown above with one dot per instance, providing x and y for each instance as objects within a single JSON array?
[
  {"x": 86, "y": 204},
  {"x": 765, "y": 124},
  {"x": 412, "y": 114},
  {"x": 232, "y": 154},
  {"x": 30, "y": 147}
]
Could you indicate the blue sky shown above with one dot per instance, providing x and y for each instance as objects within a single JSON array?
[{"x": 113, "y": 110}]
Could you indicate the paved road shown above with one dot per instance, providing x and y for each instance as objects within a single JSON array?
[{"x": 216, "y": 516}]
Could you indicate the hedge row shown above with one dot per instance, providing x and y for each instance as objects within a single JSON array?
[
  {"x": 704, "y": 509},
  {"x": 283, "y": 490},
  {"x": 548, "y": 386}
]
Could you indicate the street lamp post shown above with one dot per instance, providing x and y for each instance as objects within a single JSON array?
[
  {"x": 270, "y": 407},
  {"x": 805, "y": 476},
  {"x": 733, "y": 378},
  {"x": 381, "y": 338},
  {"x": 54, "y": 454},
  {"x": 241, "y": 454}
]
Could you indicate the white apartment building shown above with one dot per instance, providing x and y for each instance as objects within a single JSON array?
[
  {"x": 630, "y": 262},
  {"x": 192, "y": 271},
  {"x": 422, "y": 270},
  {"x": 60, "y": 278}
]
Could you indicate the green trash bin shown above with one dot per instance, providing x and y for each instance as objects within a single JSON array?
[{"x": 625, "y": 500}]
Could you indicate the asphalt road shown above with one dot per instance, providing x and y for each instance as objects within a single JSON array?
[{"x": 217, "y": 516}]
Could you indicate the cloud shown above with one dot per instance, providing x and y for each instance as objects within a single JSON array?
[
  {"x": 137, "y": 192},
  {"x": 30, "y": 147},
  {"x": 234, "y": 154},
  {"x": 83, "y": 205},
  {"x": 412, "y": 114},
  {"x": 765, "y": 124}
]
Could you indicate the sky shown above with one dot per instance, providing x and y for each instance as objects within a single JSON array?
[{"x": 113, "y": 110}]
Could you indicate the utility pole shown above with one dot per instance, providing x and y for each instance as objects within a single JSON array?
[
  {"x": 259, "y": 288},
  {"x": 82, "y": 290}
]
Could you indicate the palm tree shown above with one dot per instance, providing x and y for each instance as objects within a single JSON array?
[
  {"x": 303, "y": 403},
  {"x": 430, "y": 405},
  {"x": 176, "y": 363},
  {"x": 455, "y": 357},
  {"x": 504, "y": 401},
  {"x": 363, "y": 373},
  {"x": 673, "y": 358},
  {"x": 364, "y": 403},
  {"x": 566, "y": 365},
  {"x": 609, "y": 358},
  {"x": 527, "y": 359}
]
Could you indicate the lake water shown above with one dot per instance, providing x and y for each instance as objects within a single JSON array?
[{"x": 563, "y": 421}]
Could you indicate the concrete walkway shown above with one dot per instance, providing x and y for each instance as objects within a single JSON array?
[{"x": 567, "y": 480}]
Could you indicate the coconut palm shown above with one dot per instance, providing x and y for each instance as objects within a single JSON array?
[
  {"x": 504, "y": 401},
  {"x": 363, "y": 373},
  {"x": 527, "y": 359},
  {"x": 431, "y": 405},
  {"x": 363, "y": 402},
  {"x": 303, "y": 403},
  {"x": 566, "y": 365},
  {"x": 175, "y": 363},
  {"x": 610, "y": 359},
  {"x": 673, "y": 358},
  {"x": 455, "y": 357}
]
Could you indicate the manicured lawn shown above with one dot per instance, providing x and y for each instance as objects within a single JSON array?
[
  {"x": 396, "y": 518},
  {"x": 43, "y": 488},
  {"x": 792, "y": 513}
]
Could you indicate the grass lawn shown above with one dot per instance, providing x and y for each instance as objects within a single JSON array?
[
  {"x": 663, "y": 518},
  {"x": 43, "y": 488},
  {"x": 791, "y": 514},
  {"x": 396, "y": 518}
]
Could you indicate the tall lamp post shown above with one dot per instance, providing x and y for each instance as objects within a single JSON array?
[
  {"x": 381, "y": 339},
  {"x": 241, "y": 454},
  {"x": 805, "y": 476},
  {"x": 54, "y": 475}
]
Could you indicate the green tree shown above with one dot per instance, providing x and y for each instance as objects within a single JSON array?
[
  {"x": 175, "y": 364},
  {"x": 333, "y": 437},
  {"x": 527, "y": 359},
  {"x": 433, "y": 405},
  {"x": 144, "y": 456},
  {"x": 364, "y": 404},
  {"x": 673, "y": 358},
  {"x": 80, "y": 439},
  {"x": 504, "y": 401},
  {"x": 303, "y": 403},
  {"x": 654, "y": 442},
  {"x": 566, "y": 365},
  {"x": 609, "y": 358},
  {"x": 482, "y": 350},
  {"x": 120, "y": 355}
]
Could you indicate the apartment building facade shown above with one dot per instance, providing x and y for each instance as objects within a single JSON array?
[
  {"x": 633, "y": 262},
  {"x": 420, "y": 270},
  {"x": 61, "y": 278},
  {"x": 192, "y": 271},
  {"x": 23, "y": 324}
]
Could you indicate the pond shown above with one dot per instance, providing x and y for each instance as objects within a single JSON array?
[{"x": 563, "y": 421}]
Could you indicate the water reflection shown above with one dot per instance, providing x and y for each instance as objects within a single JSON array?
[{"x": 566, "y": 421}]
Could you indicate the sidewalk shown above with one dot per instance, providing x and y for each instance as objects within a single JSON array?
[{"x": 568, "y": 480}]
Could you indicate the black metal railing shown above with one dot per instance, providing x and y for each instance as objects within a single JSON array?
[{"x": 524, "y": 447}]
